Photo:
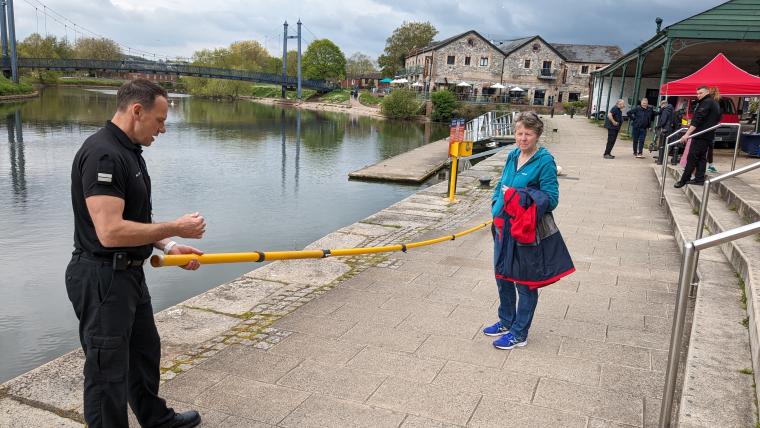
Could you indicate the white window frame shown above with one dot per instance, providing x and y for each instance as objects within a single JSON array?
[{"x": 484, "y": 61}]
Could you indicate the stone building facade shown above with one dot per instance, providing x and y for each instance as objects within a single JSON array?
[{"x": 548, "y": 73}]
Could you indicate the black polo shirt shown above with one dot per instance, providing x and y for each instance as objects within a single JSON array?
[{"x": 109, "y": 163}]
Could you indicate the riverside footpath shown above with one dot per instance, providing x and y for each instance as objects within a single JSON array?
[{"x": 395, "y": 339}]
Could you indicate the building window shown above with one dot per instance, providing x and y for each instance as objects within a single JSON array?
[
  {"x": 573, "y": 96},
  {"x": 526, "y": 64},
  {"x": 584, "y": 69},
  {"x": 466, "y": 60},
  {"x": 559, "y": 97},
  {"x": 484, "y": 61},
  {"x": 450, "y": 60}
]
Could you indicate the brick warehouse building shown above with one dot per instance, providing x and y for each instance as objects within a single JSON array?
[{"x": 548, "y": 72}]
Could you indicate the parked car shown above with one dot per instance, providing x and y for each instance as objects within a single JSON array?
[{"x": 725, "y": 136}]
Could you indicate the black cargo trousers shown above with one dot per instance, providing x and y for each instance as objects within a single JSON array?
[{"x": 120, "y": 342}]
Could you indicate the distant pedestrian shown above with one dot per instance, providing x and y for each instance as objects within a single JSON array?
[
  {"x": 665, "y": 126},
  {"x": 612, "y": 122},
  {"x": 706, "y": 115},
  {"x": 528, "y": 188},
  {"x": 641, "y": 118}
]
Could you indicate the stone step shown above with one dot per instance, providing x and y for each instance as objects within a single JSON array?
[{"x": 719, "y": 345}]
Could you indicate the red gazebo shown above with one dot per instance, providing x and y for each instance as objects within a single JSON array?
[{"x": 720, "y": 72}]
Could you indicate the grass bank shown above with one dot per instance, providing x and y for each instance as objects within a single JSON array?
[{"x": 9, "y": 88}]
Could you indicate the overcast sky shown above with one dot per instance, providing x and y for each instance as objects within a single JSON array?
[{"x": 180, "y": 27}]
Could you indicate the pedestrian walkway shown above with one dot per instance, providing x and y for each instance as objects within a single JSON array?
[{"x": 400, "y": 344}]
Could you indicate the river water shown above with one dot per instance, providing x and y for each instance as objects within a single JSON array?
[{"x": 265, "y": 178}]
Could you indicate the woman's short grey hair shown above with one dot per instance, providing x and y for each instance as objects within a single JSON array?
[{"x": 530, "y": 120}]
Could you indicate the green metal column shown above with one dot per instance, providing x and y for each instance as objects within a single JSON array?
[
  {"x": 599, "y": 97},
  {"x": 637, "y": 82},
  {"x": 664, "y": 72},
  {"x": 622, "y": 85},
  {"x": 609, "y": 91}
]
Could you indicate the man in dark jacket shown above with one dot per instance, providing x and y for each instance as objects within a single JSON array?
[
  {"x": 706, "y": 115},
  {"x": 641, "y": 117},
  {"x": 612, "y": 123},
  {"x": 664, "y": 127}
]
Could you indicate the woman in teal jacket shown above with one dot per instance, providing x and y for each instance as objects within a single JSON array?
[{"x": 527, "y": 166}]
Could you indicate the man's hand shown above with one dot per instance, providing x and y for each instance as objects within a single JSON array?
[
  {"x": 684, "y": 138},
  {"x": 190, "y": 226},
  {"x": 186, "y": 249}
]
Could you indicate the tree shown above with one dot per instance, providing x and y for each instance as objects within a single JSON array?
[
  {"x": 400, "y": 104},
  {"x": 407, "y": 37},
  {"x": 323, "y": 60},
  {"x": 360, "y": 64},
  {"x": 444, "y": 104},
  {"x": 97, "y": 48},
  {"x": 35, "y": 46},
  {"x": 248, "y": 55}
]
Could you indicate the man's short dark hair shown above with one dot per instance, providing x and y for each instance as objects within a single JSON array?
[
  {"x": 704, "y": 87},
  {"x": 141, "y": 91}
]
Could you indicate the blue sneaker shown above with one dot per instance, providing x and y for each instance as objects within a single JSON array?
[
  {"x": 509, "y": 341},
  {"x": 495, "y": 330}
]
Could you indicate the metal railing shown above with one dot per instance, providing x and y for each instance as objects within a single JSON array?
[
  {"x": 665, "y": 156},
  {"x": 688, "y": 267},
  {"x": 547, "y": 73},
  {"x": 489, "y": 125}
]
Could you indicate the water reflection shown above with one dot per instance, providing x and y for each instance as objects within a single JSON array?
[
  {"x": 16, "y": 149},
  {"x": 219, "y": 158}
]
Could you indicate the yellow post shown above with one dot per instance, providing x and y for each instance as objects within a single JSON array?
[{"x": 454, "y": 152}]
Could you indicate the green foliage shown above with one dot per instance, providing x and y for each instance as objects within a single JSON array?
[
  {"x": 323, "y": 60},
  {"x": 338, "y": 96},
  {"x": 407, "y": 37},
  {"x": 79, "y": 81},
  {"x": 746, "y": 371},
  {"x": 96, "y": 48},
  {"x": 368, "y": 99},
  {"x": 471, "y": 111},
  {"x": 246, "y": 55},
  {"x": 579, "y": 105},
  {"x": 35, "y": 46},
  {"x": 359, "y": 65},
  {"x": 444, "y": 104},
  {"x": 400, "y": 104},
  {"x": 9, "y": 88}
]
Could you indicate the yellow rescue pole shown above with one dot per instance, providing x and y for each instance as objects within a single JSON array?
[{"x": 257, "y": 256}]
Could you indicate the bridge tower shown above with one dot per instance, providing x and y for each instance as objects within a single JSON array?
[
  {"x": 285, "y": 38},
  {"x": 8, "y": 37}
]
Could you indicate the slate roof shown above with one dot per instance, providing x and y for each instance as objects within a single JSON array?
[
  {"x": 507, "y": 46},
  {"x": 599, "y": 54}
]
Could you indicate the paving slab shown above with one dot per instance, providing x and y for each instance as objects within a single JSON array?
[
  {"x": 496, "y": 413},
  {"x": 422, "y": 399},
  {"x": 412, "y": 167}
]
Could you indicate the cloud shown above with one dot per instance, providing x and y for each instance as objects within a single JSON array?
[{"x": 180, "y": 27}]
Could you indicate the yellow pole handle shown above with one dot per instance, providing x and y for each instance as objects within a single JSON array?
[{"x": 217, "y": 258}]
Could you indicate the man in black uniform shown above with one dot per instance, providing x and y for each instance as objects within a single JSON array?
[
  {"x": 706, "y": 115},
  {"x": 113, "y": 235}
]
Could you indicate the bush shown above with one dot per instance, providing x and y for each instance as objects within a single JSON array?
[
  {"x": 400, "y": 104},
  {"x": 368, "y": 99},
  {"x": 579, "y": 105},
  {"x": 444, "y": 104},
  {"x": 471, "y": 111},
  {"x": 9, "y": 88}
]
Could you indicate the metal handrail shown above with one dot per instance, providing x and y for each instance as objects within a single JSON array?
[
  {"x": 665, "y": 157},
  {"x": 686, "y": 275},
  {"x": 706, "y": 192},
  {"x": 665, "y": 160}
]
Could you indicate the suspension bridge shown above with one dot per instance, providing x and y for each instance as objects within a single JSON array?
[{"x": 10, "y": 62}]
